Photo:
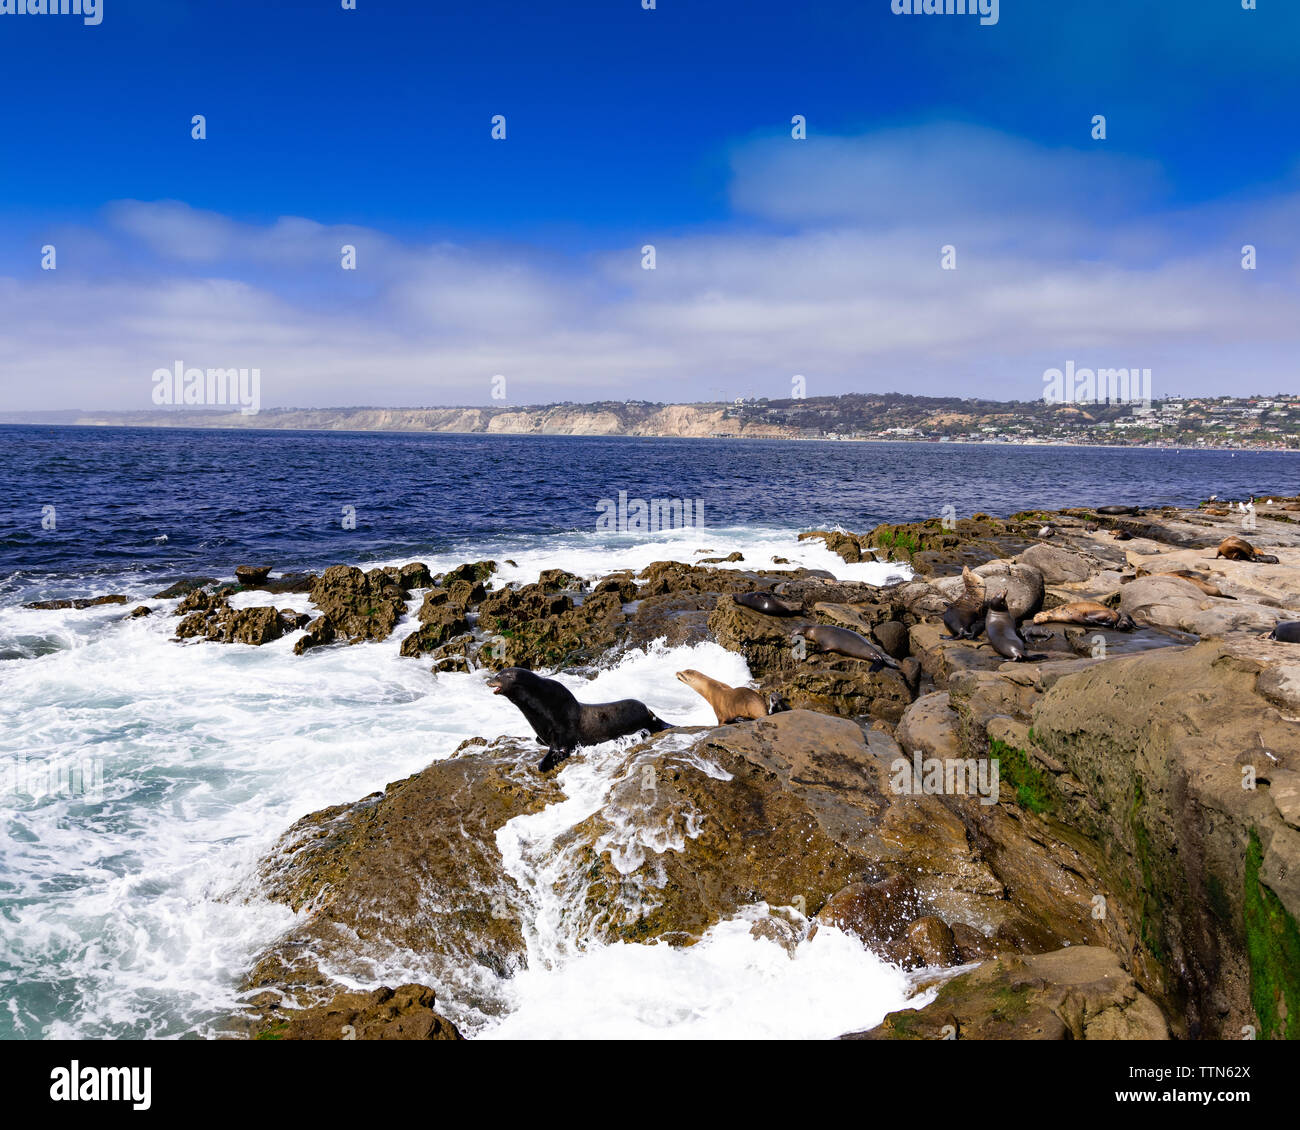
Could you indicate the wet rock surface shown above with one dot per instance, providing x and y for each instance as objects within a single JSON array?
[
  {"x": 1080, "y": 993},
  {"x": 1090, "y": 843}
]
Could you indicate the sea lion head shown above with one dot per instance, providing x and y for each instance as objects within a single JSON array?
[
  {"x": 998, "y": 602},
  {"x": 691, "y": 678},
  {"x": 510, "y": 679}
]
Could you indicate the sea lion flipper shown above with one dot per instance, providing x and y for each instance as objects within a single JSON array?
[{"x": 551, "y": 760}]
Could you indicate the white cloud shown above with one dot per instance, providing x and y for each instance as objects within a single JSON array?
[{"x": 1061, "y": 255}]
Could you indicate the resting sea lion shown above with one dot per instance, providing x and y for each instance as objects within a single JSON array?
[
  {"x": 561, "y": 722},
  {"x": 1195, "y": 578},
  {"x": 730, "y": 704},
  {"x": 1003, "y": 633},
  {"x": 1285, "y": 631},
  {"x": 768, "y": 604},
  {"x": 1116, "y": 509},
  {"x": 964, "y": 618},
  {"x": 823, "y": 637},
  {"x": 1090, "y": 614},
  {"x": 1239, "y": 549}
]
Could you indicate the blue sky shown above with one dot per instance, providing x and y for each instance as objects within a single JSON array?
[{"x": 626, "y": 127}]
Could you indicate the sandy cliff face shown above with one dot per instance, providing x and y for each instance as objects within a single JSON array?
[
  {"x": 557, "y": 421},
  {"x": 686, "y": 420}
]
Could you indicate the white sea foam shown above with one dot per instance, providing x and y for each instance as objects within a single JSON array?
[
  {"x": 729, "y": 985},
  {"x": 136, "y": 914}
]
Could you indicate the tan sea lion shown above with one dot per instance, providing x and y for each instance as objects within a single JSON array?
[
  {"x": 1089, "y": 613},
  {"x": 1239, "y": 549},
  {"x": 730, "y": 704},
  {"x": 964, "y": 618},
  {"x": 1200, "y": 582}
]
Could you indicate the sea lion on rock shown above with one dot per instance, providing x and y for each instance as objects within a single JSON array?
[
  {"x": 823, "y": 637},
  {"x": 1285, "y": 631},
  {"x": 730, "y": 704},
  {"x": 561, "y": 722},
  {"x": 1116, "y": 509},
  {"x": 964, "y": 618},
  {"x": 1003, "y": 633},
  {"x": 768, "y": 604},
  {"x": 1239, "y": 549},
  {"x": 1088, "y": 613},
  {"x": 1187, "y": 575}
]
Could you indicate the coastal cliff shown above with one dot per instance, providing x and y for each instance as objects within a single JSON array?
[{"x": 1256, "y": 422}]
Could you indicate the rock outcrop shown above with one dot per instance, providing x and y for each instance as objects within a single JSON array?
[
  {"x": 1111, "y": 834},
  {"x": 1080, "y": 993}
]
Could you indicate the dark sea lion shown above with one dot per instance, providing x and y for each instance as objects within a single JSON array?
[
  {"x": 1003, "y": 634},
  {"x": 561, "y": 722},
  {"x": 1285, "y": 631},
  {"x": 1116, "y": 509},
  {"x": 730, "y": 704},
  {"x": 844, "y": 642},
  {"x": 768, "y": 604},
  {"x": 1239, "y": 549},
  {"x": 964, "y": 618},
  {"x": 1088, "y": 613}
]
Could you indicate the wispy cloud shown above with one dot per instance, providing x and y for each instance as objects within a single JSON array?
[{"x": 830, "y": 269}]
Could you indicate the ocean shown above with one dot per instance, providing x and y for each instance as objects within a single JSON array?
[{"x": 129, "y": 905}]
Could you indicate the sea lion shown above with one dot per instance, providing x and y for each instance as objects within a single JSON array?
[
  {"x": 1116, "y": 509},
  {"x": 768, "y": 604},
  {"x": 1003, "y": 633},
  {"x": 730, "y": 704},
  {"x": 1088, "y": 613},
  {"x": 1195, "y": 578},
  {"x": 964, "y": 618},
  {"x": 823, "y": 637},
  {"x": 561, "y": 722},
  {"x": 1285, "y": 631},
  {"x": 1239, "y": 549}
]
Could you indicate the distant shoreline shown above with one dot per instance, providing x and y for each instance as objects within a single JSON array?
[{"x": 251, "y": 430}]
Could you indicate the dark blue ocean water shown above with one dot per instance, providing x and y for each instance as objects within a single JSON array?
[{"x": 222, "y": 498}]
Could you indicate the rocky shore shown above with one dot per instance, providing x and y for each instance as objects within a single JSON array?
[{"x": 1135, "y": 874}]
